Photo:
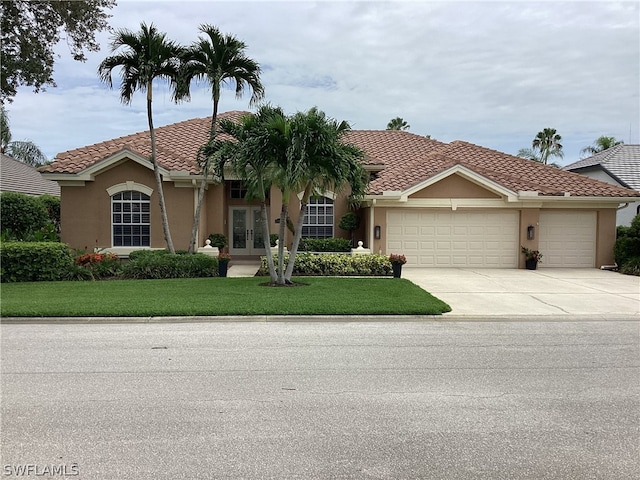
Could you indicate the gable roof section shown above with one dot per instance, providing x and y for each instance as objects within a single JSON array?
[
  {"x": 401, "y": 160},
  {"x": 177, "y": 147},
  {"x": 19, "y": 177},
  {"x": 622, "y": 162}
]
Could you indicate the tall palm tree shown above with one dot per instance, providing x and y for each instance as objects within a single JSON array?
[
  {"x": 24, "y": 151},
  {"x": 258, "y": 149},
  {"x": 398, "y": 123},
  {"x": 218, "y": 60},
  {"x": 304, "y": 153},
  {"x": 145, "y": 56},
  {"x": 601, "y": 144},
  {"x": 324, "y": 162},
  {"x": 547, "y": 142}
]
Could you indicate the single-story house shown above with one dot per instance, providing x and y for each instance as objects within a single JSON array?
[
  {"x": 619, "y": 165},
  {"x": 441, "y": 204},
  {"x": 19, "y": 177}
]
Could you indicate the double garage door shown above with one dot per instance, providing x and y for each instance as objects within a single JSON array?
[{"x": 488, "y": 239}]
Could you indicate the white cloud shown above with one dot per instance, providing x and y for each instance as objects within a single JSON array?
[{"x": 492, "y": 73}]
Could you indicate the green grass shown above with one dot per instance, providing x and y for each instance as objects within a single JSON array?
[{"x": 218, "y": 296}]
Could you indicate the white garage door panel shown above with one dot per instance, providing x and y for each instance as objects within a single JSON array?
[
  {"x": 454, "y": 239},
  {"x": 567, "y": 239}
]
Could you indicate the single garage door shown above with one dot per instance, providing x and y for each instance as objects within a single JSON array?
[
  {"x": 454, "y": 238},
  {"x": 567, "y": 239}
]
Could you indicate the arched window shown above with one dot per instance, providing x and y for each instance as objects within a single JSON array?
[
  {"x": 318, "y": 221},
  {"x": 131, "y": 219}
]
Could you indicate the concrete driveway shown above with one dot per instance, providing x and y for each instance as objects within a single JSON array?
[{"x": 544, "y": 292}]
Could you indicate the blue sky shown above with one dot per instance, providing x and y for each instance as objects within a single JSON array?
[{"x": 490, "y": 73}]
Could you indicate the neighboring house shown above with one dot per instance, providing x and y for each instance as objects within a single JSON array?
[
  {"x": 442, "y": 205},
  {"x": 619, "y": 165},
  {"x": 19, "y": 177}
]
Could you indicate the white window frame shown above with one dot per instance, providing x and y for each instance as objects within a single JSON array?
[
  {"x": 315, "y": 211},
  {"x": 138, "y": 207}
]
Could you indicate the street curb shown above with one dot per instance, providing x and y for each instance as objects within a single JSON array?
[{"x": 321, "y": 318}]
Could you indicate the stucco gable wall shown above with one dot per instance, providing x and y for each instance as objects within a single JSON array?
[
  {"x": 86, "y": 210},
  {"x": 454, "y": 186}
]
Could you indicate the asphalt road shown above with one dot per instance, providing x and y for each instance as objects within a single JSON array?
[{"x": 321, "y": 400}]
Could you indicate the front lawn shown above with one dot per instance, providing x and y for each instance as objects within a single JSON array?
[{"x": 218, "y": 296}]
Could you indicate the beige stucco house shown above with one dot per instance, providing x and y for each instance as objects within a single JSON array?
[{"x": 441, "y": 204}]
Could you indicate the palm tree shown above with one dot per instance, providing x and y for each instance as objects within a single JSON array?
[
  {"x": 547, "y": 142},
  {"x": 324, "y": 162},
  {"x": 258, "y": 149},
  {"x": 529, "y": 154},
  {"x": 601, "y": 144},
  {"x": 218, "y": 59},
  {"x": 398, "y": 124},
  {"x": 24, "y": 151},
  {"x": 304, "y": 153},
  {"x": 144, "y": 57}
]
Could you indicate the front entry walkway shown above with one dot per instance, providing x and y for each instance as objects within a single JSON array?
[{"x": 243, "y": 268}]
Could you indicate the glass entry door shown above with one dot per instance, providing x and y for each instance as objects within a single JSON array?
[{"x": 245, "y": 231}]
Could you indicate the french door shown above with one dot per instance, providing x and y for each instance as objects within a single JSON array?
[{"x": 245, "y": 231}]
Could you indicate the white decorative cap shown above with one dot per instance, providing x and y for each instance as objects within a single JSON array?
[{"x": 207, "y": 244}]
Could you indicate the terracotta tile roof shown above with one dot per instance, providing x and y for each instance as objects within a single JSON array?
[
  {"x": 621, "y": 161},
  {"x": 19, "y": 177},
  {"x": 177, "y": 146},
  {"x": 404, "y": 159},
  {"x": 518, "y": 174}
]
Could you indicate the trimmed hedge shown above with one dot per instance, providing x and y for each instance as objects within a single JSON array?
[
  {"x": 20, "y": 215},
  {"x": 325, "y": 245},
  {"x": 148, "y": 264},
  {"x": 35, "y": 261},
  {"x": 626, "y": 250},
  {"x": 331, "y": 264}
]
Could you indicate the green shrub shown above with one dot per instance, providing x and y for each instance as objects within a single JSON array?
[
  {"x": 161, "y": 264},
  {"x": 627, "y": 246},
  {"x": 631, "y": 267},
  {"x": 35, "y": 261},
  {"x": 52, "y": 205},
  {"x": 98, "y": 265},
  {"x": 218, "y": 240},
  {"x": 325, "y": 245},
  {"x": 136, "y": 254},
  {"x": 21, "y": 215},
  {"x": 331, "y": 264}
]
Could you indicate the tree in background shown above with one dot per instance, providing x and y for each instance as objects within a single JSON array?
[
  {"x": 546, "y": 144},
  {"x": 218, "y": 59},
  {"x": 529, "y": 154},
  {"x": 601, "y": 144},
  {"x": 144, "y": 57},
  {"x": 31, "y": 30},
  {"x": 24, "y": 151},
  {"x": 398, "y": 124}
]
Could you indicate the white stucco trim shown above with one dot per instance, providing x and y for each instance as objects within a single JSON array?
[
  {"x": 129, "y": 185},
  {"x": 468, "y": 175},
  {"x": 328, "y": 194}
]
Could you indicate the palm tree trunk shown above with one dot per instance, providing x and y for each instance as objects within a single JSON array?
[
  {"x": 203, "y": 183},
  {"x": 267, "y": 243},
  {"x": 298, "y": 234},
  {"x": 156, "y": 172},
  {"x": 284, "y": 211}
]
